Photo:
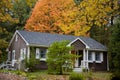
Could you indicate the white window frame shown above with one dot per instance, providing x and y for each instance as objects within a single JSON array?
[
  {"x": 92, "y": 55},
  {"x": 16, "y": 37},
  {"x": 101, "y": 58},
  {"x": 37, "y": 53},
  {"x": 22, "y": 53},
  {"x": 13, "y": 55},
  {"x": 41, "y": 58}
]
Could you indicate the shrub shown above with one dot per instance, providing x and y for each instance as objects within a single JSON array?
[
  {"x": 32, "y": 61},
  {"x": 58, "y": 58},
  {"x": 76, "y": 76}
]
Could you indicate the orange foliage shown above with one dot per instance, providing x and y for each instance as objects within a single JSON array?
[{"x": 46, "y": 15}]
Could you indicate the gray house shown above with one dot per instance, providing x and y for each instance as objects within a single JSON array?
[{"x": 94, "y": 54}]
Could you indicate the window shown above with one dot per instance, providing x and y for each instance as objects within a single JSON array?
[
  {"x": 23, "y": 53},
  {"x": 99, "y": 57},
  {"x": 37, "y": 53},
  {"x": 16, "y": 38},
  {"x": 13, "y": 55},
  {"x": 42, "y": 53},
  {"x": 90, "y": 56}
]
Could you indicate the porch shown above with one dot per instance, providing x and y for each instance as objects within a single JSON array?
[{"x": 81, "y": 62}]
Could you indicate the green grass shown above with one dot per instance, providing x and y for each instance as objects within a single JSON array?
[
  {"x": 101, "y": 75},
  {"x": 43, "y": 75}
]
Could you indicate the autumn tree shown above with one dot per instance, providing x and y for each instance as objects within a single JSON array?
[
  {"x": 5, "y": 16},
  {"x": 46, "y": 14},
  {"x": 13, "y": 13},
  {"x": 56, "y": 17},
  {"x": 68, "y": 18}
]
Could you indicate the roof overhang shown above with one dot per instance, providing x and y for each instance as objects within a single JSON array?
[
  {"x": 37, "y": 45},
  {"x": 80, "y": 40},
  {"x": 14, "y": 37}
]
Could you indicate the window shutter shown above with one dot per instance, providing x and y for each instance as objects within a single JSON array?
[
  {"x": 93, "y": 56},
  {"x": 21, "y": 54},
  {"x": 24, "y": 53},
  {"x": 101, "y": 56},
  {"x": 37, "y": 53}
]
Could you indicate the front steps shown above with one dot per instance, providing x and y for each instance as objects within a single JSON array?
[{"x": 77, "y": 70}]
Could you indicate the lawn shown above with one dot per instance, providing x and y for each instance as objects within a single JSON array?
[{"x": 43, "y": 75}]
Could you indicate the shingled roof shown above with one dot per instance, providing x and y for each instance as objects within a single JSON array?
[{"x": 46, "y": 39}]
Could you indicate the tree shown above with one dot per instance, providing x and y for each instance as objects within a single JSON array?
[
  {"x": 114, "y": 49},
  {"x": 58, "y": 56},
  {"x": 5, "y": 16},
  {"x": 55, "y": 17},
  {"x": 21, "y": 11},
  {"x": 66, "y": 17},
  {"x": 13, "y": 15}
]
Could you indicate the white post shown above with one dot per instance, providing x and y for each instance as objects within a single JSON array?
[
  {"x": 28, "y": 53},
  {"x": 87, "y": 58}
]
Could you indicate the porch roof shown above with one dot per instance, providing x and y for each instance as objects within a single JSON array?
[{"x": 46, "y": 39}]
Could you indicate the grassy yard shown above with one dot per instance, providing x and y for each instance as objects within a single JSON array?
[{"x": 42, "y": 75}]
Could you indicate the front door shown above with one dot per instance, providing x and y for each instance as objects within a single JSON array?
[
  {"x": 78, "y": 60},
  {"x": 81, "y": 57}
]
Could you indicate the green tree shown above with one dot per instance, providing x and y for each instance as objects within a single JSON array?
[
  {"x": 58, "y": 57},
  {"x": 114, "y": 49},
  {"x": 21, "y": 11}
]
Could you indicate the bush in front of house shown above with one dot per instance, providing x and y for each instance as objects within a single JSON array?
[
  {"x": 76, "y": 76},
  {"x": 32, "y": 61},
  {"x": 59, "y": 60}
]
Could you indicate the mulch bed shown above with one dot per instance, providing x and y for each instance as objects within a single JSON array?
[{"x": 10, "y": 76}]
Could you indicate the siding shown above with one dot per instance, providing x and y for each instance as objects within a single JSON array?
[
  {"x": 17, "y": 45},
  {"x": 78, "y": 45},
  {"x": 100, "y": 66}
]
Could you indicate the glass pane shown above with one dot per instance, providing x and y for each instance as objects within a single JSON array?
[
  {"x": 43, "y": 53},
  {"x": 89, "y": 56},
  {"x": 97, "y": 56}
]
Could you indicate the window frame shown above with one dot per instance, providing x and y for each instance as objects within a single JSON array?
[
  {"x": 101, "y": 57},
  {"x": 22, "y": 53},
  {"x": 37, "y": 56}
]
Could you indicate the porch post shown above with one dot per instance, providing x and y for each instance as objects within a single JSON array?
[
  {"x": 28, "y": 53},
  {"x": 84, "y": 57},
  {"x": 87, "y": 58}
]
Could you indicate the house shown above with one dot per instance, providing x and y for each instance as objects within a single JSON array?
[{"x": 94, "y": 54}]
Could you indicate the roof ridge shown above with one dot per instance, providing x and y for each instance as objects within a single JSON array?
[{"x": 54, "y": 34}]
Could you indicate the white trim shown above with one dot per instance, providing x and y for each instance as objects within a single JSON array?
[
  {"x": 22, "y": 53},
  {"x": 28, "y": 53},
  {"x": 37, "y": 45},
  {"x": 14, "y": 38},
  {"x": 13, "y": 57},
  {"x": 97, "y": 49},
  {"x": 42, "y": 59},
  {"x": 101, "y": 56},
  {"x": 93, "y": 56},
  {"x": 23, "y": 38},
  {"x": 76, "y": 59},
  {"x": 37, "y": 54},
  {"x": 80, "y": 40}
]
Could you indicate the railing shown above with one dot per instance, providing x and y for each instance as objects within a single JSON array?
[
  {"x": 7, "y": 65},
  {"x": 84, "y": 64}
]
